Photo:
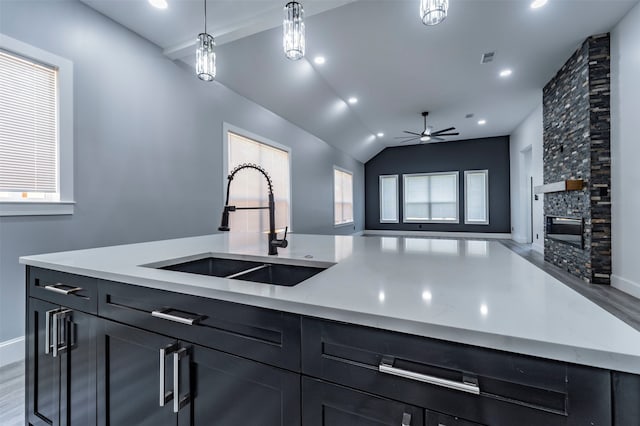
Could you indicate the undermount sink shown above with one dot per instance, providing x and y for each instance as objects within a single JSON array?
[{"x": 283, "y": 274}]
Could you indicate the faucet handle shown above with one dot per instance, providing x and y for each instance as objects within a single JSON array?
[
  {"x": 283, "y": 243},
  {"x": 286, "y": 229}
]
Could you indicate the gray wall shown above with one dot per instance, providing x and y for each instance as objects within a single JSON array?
[
  {"x": 148, "y": 148},
  {"x": 475, "y": 154}
]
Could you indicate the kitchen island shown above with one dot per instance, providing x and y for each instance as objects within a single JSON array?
[{"x": 428, "y": 331}]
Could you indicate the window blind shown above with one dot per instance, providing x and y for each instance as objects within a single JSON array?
[
  {"x": 431, "y": 197},
  {"x": 249, "y": 187},
  {"x": 476, "y": 191},
  {"x": 343, "y": 197},
  {"x": 389, "y": 199},
  {"x": 28, "y": 126}
]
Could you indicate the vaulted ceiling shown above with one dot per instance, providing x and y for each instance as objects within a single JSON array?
[{"x": 381, "y": 53}]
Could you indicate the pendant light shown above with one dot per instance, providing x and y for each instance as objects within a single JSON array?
[
  {"x": 205, "y": 53},
  {"x": 432, "y": 12},
  {"x": 293, "y": 31}
]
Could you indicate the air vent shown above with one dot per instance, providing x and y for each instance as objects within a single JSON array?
[
  {"x": 469, "y": 115},
  {"x": 487, "y": 57}
]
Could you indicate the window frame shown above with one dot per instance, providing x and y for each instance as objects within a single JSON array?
[
  {"x": 404, "y": 197},
  {"x": 64, "y": 82},
  {"x": 486, "y": 194},
  {"x": 226, "y": 128},
  {"x": 352, "y": 222},
  {"x": 397, "y": 180}
]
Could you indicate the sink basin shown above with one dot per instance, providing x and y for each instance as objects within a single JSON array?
[{"x": 255, "y": 270}]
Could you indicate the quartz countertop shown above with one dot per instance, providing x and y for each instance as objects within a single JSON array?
[{"x": 468, "y": 291}]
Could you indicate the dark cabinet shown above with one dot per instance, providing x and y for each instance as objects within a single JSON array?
[
  {"x": 61, "y": 365},
  {"x": 150, "y": 379},
  {"x": 325, "y": 404}
]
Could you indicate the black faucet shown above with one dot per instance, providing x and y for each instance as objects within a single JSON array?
[{"x": 274, "y": 242}]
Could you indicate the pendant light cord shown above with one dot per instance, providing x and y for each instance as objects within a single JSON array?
[{"x": 205, "y": 16}]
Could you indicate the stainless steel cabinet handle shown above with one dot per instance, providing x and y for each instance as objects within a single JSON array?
[
  {"x": 59, "y": 318},
  {"x": 165, "y": 396},
  {"x": 182, "y": 320},
  {"x": 406, "y": 419},
  {"x": 180, "y": 401},
  {"x": 47, "y": 335},
  {"x": 387, "y": 367},
  {"x": 57, "y": 288}
]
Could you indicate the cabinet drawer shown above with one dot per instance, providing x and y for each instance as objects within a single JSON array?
[
  {"x": 69, "y": 290},
  {"x": 325, "y": 404},
  {"x": 260, "y": 334},
  {"x": 481, "y": 385}
]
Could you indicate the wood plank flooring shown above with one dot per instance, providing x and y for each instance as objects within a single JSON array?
[{"x": 12, "y": 394}]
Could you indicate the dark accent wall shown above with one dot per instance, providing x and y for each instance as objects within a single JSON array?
[
  {"x": 576, "y": 109},
  {"x": 474, "y": 154}
]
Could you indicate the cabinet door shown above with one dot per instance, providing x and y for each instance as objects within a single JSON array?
[
  {"x": 228, "y": 390},
  {"x": 325, "y": 404},
  {"x": 43, "y": 369},
  {"x": 78, "y": 370},
  {"x": 131, "y": 378}
]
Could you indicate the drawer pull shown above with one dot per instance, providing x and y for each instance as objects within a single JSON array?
[
  {"x": 62, "y": 288},
  {"x": 406, "y": 419},
  {"x": 164, "y": 314},
  {"x": 386, "y": 366}
]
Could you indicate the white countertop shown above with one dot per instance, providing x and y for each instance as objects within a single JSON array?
[{"x": 474, "y": 292}]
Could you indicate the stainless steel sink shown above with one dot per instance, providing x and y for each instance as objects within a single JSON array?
[{"x": 247, "y": 269}]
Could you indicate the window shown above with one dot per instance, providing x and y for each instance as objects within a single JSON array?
[
  {"x": 36, "y": 131},
  {"x": 431, "y": 197},
  {"x": 389, "y": 199},
  {"x": 342, "y": 197},
  {"x": 476, "y": 197},
  {"x": 249, "y": 188}
]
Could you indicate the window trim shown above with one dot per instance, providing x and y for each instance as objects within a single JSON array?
[
  {"x": 65, "y": 133},
  {"x": 396, "y": 178},
  {"x": 226, "y": 128},
  {"x": 404, "y": 197},
  {"x": 340, "y": 225},
  {"x": 486, "y": 194}
]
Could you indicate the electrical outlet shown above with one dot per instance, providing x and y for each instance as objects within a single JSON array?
[{"x": 537, "y": 237}]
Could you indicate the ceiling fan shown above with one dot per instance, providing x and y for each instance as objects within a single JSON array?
[{"x": 427, "y": 135}]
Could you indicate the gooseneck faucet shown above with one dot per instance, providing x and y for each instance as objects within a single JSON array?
[{"x": 274, "y": 242}]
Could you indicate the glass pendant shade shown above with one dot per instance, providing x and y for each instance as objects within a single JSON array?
[
  {"x": 206, "y": 57},
  {"x": 432, "y": 12},
  {"x": 293, "y": 31}
]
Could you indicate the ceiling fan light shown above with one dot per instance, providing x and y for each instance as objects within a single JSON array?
[
  {"x": 425, "y": 138},
  {"x": 433, "y": 12},
  {"x": 293, "y": 40},
  {"x": 206, "y": 57}
]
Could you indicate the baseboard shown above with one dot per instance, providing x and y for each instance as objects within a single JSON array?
[
  {"x": 538, "y": 247},
  {"x": 358, "y": 234},
  {"x": 519, "y": 239},
  {"x": 487, "y": 235},
  {"x": 625, "y": 285},
  {"x": 11, "y": 351}
]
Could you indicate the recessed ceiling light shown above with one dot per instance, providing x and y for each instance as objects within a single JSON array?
[
  {"x": 506, "y": 73},
  {"x": 353, "y": 100},
  {"x": 482, "y": 122},
  {"x": 319, "y": 60},
  {"x": 536, "y": 4},
  {"x": 160, "y": 4},
  {"x": 380, "y": 135}
]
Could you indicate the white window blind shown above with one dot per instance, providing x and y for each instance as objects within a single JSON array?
[
  {"x": 343, "y": 197},
  {"x": 389, "y": 199},
  {"x": 476, "y": 194},
  {"x": 249, "y": 187},
  {"x": 28, "y": 129},
  {"x": 431, "y": 197}
]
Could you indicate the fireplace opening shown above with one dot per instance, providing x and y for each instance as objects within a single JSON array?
[{"x": 567, "y": 230}]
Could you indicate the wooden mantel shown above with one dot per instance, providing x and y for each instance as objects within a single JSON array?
[{"x": 564, "y": 185}]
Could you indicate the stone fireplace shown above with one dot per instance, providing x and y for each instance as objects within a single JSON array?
[{"x": 576, "y": 105}]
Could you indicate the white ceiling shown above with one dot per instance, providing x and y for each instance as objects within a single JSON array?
[{"x": 380, "y": 52}]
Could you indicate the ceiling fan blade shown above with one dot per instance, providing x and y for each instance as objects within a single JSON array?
[
  {"x": 409, "y": 140},
  {"x": 413, "y": 133},
  {"x": 447, "y": 134},
  {"x": 436, "y": 139},
  {"x": 406, "y": 137},
  {"x": 442, "y": 131}
]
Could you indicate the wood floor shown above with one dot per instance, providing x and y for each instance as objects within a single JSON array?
[{"x": 12, "y": 395}]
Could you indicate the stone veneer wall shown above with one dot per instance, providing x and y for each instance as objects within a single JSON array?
[{"x": 576, "y": 109}]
